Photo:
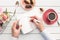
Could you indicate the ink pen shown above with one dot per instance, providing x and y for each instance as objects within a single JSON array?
[{"x": 36, "y": 20}]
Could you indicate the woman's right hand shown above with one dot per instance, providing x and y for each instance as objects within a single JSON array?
[{"x": 38, "y": 24}]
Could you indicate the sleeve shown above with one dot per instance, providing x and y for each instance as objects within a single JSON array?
[
  {"x": 13, "y": 38},
  {"x": 46, "y": 35}
]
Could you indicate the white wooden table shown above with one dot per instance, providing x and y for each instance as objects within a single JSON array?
[{"x": 35, "y": 35}]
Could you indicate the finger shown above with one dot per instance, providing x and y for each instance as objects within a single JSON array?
[
  {"x": 36, "y": 17},
  {"x": 14, "y": 24},
  {"x": 33, "y": 17},
  {"x": 31, "y": 20},
  {"x": 20, "y": 26}
]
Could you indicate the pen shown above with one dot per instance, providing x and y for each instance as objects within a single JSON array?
[{"x": 36, "y": 20}]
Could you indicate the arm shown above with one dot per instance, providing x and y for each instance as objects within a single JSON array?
[
  {"x": 46, "y": 35},
  {"x": 39, "y": 24},
  {"x": 13, "y": 38}
]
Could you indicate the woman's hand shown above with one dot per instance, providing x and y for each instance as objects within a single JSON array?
[
  {"x": 16, "y": 29},
  {"x": 38, "y": 24}
]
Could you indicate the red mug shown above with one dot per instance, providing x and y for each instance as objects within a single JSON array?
[{"x": 50, "y": 16}]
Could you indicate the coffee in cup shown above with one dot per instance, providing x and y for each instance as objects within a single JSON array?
[{"x": 52, "y": 16}]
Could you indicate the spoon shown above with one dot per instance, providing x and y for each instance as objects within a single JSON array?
[{"x": 58, "y": 23}]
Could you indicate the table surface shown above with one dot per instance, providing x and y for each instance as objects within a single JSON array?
[{"x": 34, "y": 35}]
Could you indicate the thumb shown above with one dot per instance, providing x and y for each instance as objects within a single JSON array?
[{"x": 20, "y": 26}]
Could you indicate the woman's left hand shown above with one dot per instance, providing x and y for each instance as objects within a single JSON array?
[{"x": 15, "y": 30}]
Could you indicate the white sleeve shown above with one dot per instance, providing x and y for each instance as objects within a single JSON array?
[
  {"x": 46, "y": 35},
  {"x": 13, "y": 38}
]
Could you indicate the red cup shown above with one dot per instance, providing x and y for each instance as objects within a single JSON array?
[{"x": 50, "y": 16}]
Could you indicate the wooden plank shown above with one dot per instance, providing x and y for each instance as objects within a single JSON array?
[
  {"x": 38, "y": 2},
  {"x": 47, "y": 3},
  {"x": 27, "y": 37},
  {"x": 49, "y": 29},
  {"x": 22, "y": 37}
]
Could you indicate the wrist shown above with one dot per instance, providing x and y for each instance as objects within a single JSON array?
[
  {"x": 41, "y": 28},
  {"x": 15, "y": 35}
]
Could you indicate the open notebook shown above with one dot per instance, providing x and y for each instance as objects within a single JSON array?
[{"x": 26, "y": 26}]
